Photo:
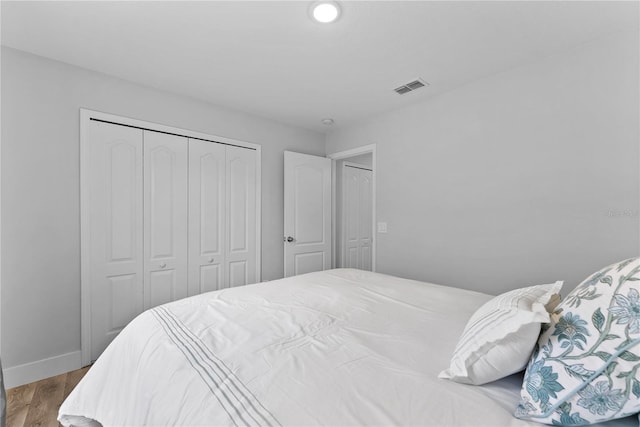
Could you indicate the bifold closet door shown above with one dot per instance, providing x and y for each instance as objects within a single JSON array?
[
  {"x": 165, "y": 218},
  {"x": 168, "y": 217},
  {"x": 114, "y": 157},
  {"x": 357, "y": 217},
  {"x": 241, "y": 216},
  {"x": 207, "y": 216},
  {"x": 366, "y": 224}
]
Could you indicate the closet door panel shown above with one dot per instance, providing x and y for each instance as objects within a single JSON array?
[
  {"x": 206, "y": 216},
  {"x": 125, "y": 300},
  {"x": 238, "y": 195},
  {"x": 115, "y": 244},
  {"x": 238, "y": 273},
  {"x": 165, "y": 218},
  {"x": 357, "y": 217},
  {"x": 211, "y": 278},
  {"x": 162, "y": 286},
  {"x": 351, "y": 180},
  {"x": 366, "y": 224},
  {"x": 241, "y": 215}
]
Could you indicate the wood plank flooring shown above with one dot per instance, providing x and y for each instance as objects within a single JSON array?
[{"x": 36, "y": 404}]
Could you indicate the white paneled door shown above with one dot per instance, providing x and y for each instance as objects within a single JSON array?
[
  {"x": 241, "y": 216},
  {"x": 114, "y": 157},
  {"x": 207, "y": 216},
  {"x": 357, "y": 219},
  {"x": 222, "y": 211},
  {"x": 164, "y": 216},
  {"x": 307, "y": 213}
]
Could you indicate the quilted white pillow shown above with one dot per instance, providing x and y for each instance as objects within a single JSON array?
[
  {"x": 586, "y": 367},
  {"x": 500, "y": 336}
]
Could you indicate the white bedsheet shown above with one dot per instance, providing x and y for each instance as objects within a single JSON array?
[{"x": 341, "y": 347}]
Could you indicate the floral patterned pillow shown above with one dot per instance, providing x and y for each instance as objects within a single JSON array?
[{"x": 586, "y": 365}]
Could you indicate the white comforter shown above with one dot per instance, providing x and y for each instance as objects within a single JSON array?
[{"x": 341, "y": 347}]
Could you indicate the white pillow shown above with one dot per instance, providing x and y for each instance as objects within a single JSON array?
[{"x": 500, "y": 336}]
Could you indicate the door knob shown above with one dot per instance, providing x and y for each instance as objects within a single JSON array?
[
  {"x": 289, "y": 239},
  {"x": 210, "y": 260},
  {"x": 163, "y": 265}
]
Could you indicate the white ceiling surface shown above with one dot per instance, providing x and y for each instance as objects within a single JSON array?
[{"x": 268, "y": 58}]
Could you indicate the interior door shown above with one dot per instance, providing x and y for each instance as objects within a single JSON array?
[
  {"x": 165, "y": 218},
  {"x": 357, "y": 216},
  {"x": 114, "y": 155},
  {"x": 307, "y": 213},
  {"x": 207, "y": 216}
]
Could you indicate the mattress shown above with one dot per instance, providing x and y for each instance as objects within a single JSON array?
[{"x": 339, "y": 347}]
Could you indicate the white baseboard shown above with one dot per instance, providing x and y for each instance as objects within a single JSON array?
[{"x": 41, "y": 369}]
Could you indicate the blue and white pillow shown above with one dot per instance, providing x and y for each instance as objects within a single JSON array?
[{"x": 586, "y": 365}]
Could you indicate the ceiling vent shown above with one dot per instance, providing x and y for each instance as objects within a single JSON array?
[{"x": 411, "y": 86}]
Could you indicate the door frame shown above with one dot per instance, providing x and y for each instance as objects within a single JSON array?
[
  {"x": 341, "y": 155},
  {"x": 86, "y": 116}
]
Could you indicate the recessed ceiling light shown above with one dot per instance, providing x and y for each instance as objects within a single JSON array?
[
  {"x": 325, "y": 11},
  {"x": 328, "y": 122}
]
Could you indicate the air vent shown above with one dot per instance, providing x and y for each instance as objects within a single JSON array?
[
  {"x": 402, "y": 90},
  {"x": 411, "y": 86},
  {"x": 415, "y": 85}
]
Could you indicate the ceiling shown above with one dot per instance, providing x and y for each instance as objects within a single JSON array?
[{"x": 270, "y": 59}]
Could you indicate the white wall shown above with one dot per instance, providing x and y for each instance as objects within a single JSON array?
[
  {"x": 363, "y": 159},
  {"x": 40, "y": 189},
  {"x": 510, "y": 180}
]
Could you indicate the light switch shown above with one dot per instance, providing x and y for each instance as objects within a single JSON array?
[{"x": 382, "y": 227}]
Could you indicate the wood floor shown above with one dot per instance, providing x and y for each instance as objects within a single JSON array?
[{"x": 36, "y": 404}]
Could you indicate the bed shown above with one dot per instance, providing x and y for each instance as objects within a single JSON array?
[{"x": 339, "y": 347}]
